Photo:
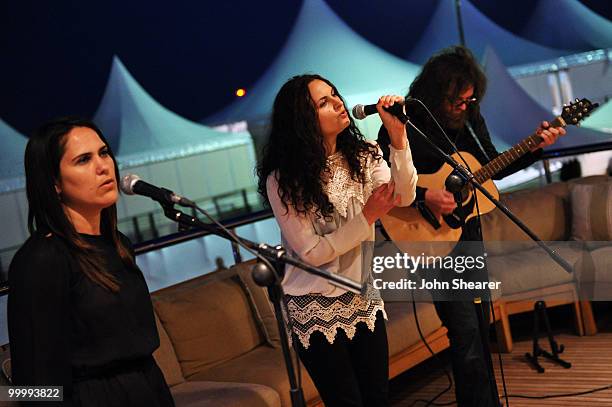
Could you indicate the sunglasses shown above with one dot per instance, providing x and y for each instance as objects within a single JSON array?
[{"x": 458, "y": 102}]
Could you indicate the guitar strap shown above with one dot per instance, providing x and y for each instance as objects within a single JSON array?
[{"x": 477, "y": 140}]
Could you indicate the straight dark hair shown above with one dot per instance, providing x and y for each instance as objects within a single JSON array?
[{"x": 43, "y": 154}]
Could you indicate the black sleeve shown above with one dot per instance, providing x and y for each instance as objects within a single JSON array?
[
  {"x": 420, "y": 194},
  {"x": 480, "y": 128},
  {"x": 39, "y": 316}
]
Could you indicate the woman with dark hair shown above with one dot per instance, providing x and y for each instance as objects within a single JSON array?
[
  {"x": 79, "y": 311},
  {"x": 327, "y": 186}
]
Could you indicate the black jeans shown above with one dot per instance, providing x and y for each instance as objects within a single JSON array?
[
  {"x": 473, "y": 386},
  {"x": 348, "y": 372}
]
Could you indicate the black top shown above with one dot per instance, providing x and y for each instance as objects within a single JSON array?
[
  {"x": 63, "y": 327},
  {"x": 427, "y": 161}
]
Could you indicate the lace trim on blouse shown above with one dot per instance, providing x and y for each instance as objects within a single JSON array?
[
  {"x": 314, "y": 312},
  {"x": 340, "y": 187},
  {"x": 311, "y": 313}
]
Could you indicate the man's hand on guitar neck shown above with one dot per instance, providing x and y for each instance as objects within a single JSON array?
[
  {"x": 439, "y": 201},
  {"x": 549, "y": 135}
]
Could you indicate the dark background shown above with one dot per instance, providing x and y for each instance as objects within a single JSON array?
[{"x": 189, "y": 55}]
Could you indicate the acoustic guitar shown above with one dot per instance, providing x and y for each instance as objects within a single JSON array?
[{"x": 418, "y": 230}]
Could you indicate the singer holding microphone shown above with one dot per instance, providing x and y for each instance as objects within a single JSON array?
[
  {"x": 327, "y": 186},
  {"x": 79, "y": 311}
]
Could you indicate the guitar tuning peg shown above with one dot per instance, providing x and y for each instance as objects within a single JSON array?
[{"x": 575, "y": 120}]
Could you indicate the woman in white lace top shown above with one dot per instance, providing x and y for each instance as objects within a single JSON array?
[{"x": 327, "y": 186}]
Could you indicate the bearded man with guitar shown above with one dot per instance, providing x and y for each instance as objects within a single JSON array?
[{"x": 451, "y": 84}]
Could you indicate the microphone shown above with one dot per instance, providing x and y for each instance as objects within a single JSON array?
[
  {"x": 132, "y": 184},
  {"x": 360, "y": 112}
]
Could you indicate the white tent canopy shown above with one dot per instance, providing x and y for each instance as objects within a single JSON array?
[{"x": 140, "y": 129}]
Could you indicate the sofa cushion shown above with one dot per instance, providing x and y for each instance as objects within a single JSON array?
[
  {"x": 209, "y": 322},
  {"x": 533, "y": 269},
  {"x": 596, "y": 278},
  {"x": 558, "y": 189},
  {"x": 218, "y": 394},
  {"x": 401, "y": 325},
  {"x": 261, "y": 300},
  {"x": 592, "y": 212},
  {"x": 166, "y": 357},
  {"x": 263, "y": 365},
  {"x": 592, "y": 179},
  {"x": 544, "y": 213},
  {"x": 602, "y": 264}
]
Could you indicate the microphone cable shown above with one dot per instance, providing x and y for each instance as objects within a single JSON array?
[
  {"x": 525, "y": 396},
  {"x": 506, "y": 396},
  {"x": 456, "y": 150},
  {"x": 435, "y": 355},
  {"x": 561, "y": 395}
]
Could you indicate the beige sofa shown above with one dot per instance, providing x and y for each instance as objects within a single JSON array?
[
  {"x": 526, "y": 271},
  {"x": 220, "y": 343}
]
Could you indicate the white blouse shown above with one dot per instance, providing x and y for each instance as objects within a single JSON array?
[{"x": 335, "y": 244}]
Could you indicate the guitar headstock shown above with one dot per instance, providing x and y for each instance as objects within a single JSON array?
[{"x": 576, "y": 111}]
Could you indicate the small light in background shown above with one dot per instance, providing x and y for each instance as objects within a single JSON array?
[{"x": 240, "y": 92}]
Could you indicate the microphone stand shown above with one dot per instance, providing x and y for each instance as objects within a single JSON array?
[
  {"x": 264, "y": 276},
  {"x": 459, "y": 178}
]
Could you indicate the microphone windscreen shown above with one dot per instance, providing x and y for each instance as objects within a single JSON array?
[
  {"x": 359, "y": 112},
  {"x": 127, "y": 183}
]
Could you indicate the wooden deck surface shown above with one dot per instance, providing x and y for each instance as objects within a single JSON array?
[{"x": 591, "y": 358}]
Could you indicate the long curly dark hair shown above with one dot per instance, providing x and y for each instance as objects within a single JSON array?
[
  {"x": 447, "y": 74},
  {"x": 295, "y": 152}
]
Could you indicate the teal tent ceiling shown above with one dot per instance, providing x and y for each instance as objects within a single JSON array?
[
  {"x": 322, "y": 43},
  {"x": 480, "y": 33},
  {"x": 139, "y": 129},
  {"x": 512, "y": 114},
  {"x": 601, "y": 119},
  {"x": 12, "y": 149},
  {"x": 567, "y": 24}
]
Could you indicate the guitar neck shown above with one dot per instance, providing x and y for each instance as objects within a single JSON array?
[{"x": 512, "y": 154}]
